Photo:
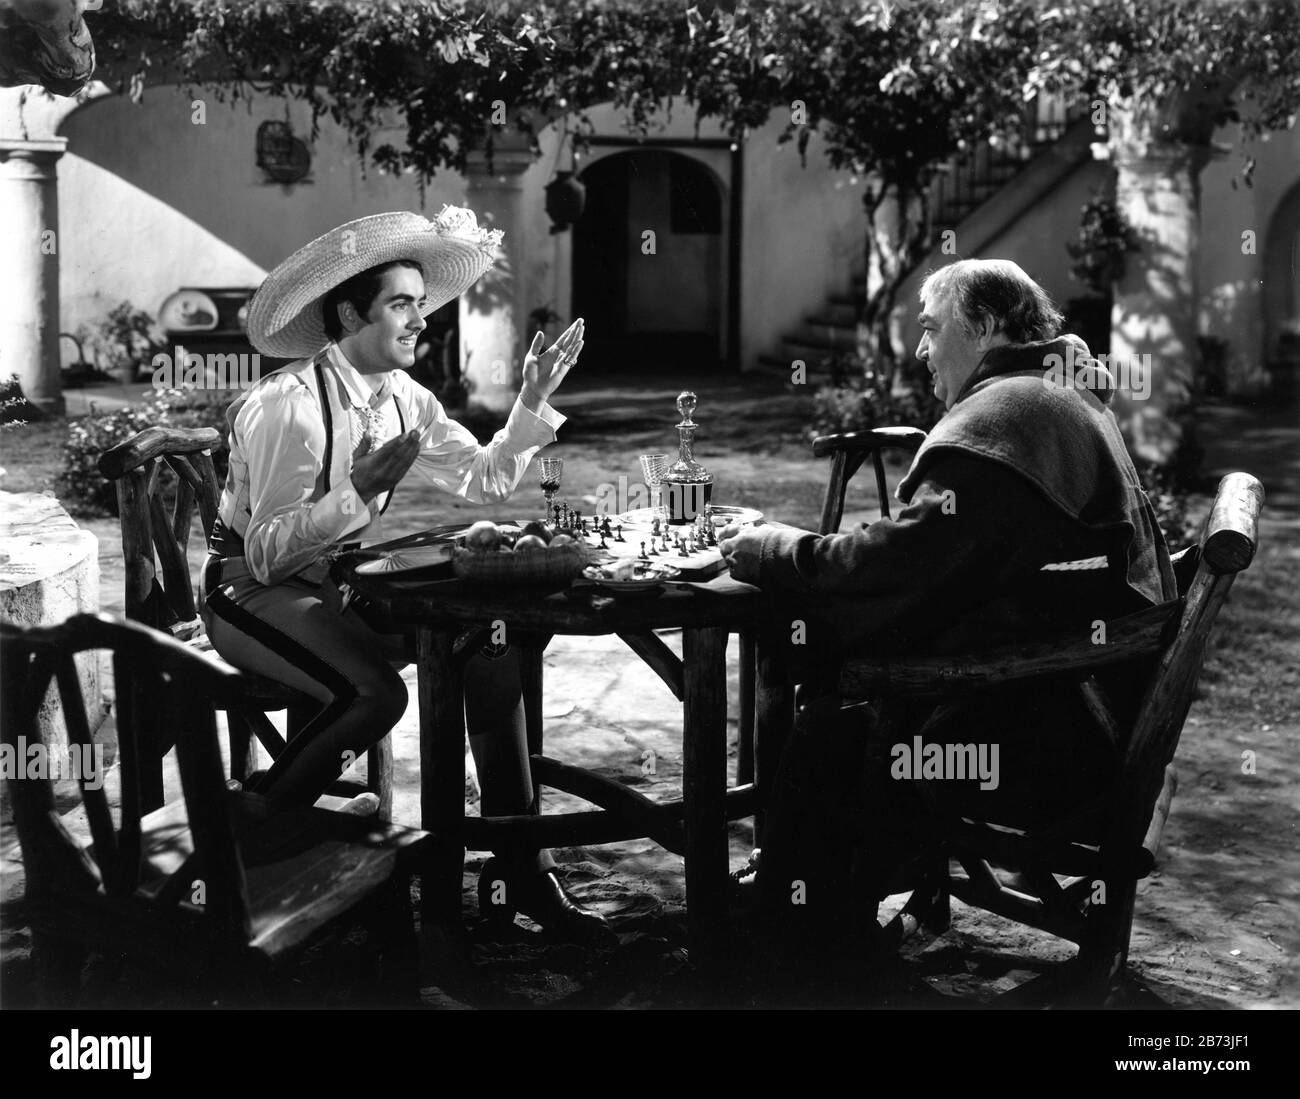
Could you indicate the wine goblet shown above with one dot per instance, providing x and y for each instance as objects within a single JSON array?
[
  {"x": 653, "y": 468},
  {"x": 550, "y": 473}
]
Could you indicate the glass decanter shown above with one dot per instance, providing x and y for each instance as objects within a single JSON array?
[{"x": 687, "y": 487}]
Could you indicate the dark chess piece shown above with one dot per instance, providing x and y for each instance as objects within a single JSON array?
[
  {"x": 619, "y": 537},
  {"x": 644, "y": 555},
  {"x": 603, "y": 545}
]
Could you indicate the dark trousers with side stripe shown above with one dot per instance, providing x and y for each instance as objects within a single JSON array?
[{"x": 297, "y": 634}]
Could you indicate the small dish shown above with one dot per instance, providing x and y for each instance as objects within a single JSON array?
[
  {"x": 722, "y": 515},
  {"x": 645, "y": 578}
]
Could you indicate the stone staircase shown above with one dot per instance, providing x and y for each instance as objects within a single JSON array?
[{"x": 960, "y": 188}]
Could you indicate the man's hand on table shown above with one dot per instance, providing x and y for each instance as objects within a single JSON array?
[{"x": 741, "y": 546}]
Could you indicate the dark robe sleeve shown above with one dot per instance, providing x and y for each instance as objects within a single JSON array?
[{"x": 974, "y": 534}]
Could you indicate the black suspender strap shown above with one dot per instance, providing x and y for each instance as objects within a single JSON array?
[
  {"x": 328, "y": 416},
  {"x": 401, "y": 430}
]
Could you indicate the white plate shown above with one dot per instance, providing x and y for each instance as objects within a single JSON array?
[
  {"x": 643, "y": 518},
  {"x": 722, "y": 515},
  {"x": 407, "y": 560},
  {"x": 647, "y": 578}
]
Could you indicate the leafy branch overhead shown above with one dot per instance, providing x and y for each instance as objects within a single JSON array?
[{"x": 895, "y": 89}]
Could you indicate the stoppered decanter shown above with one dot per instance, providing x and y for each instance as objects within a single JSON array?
[{"x": 687, "y": 486}]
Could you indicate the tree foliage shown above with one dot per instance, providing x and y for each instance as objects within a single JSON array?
[{"x": 895, "y": 88}]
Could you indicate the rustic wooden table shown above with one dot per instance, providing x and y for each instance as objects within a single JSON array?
[{"x": 442, "y": 611}]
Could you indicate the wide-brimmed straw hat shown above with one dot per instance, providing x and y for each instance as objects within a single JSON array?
[{"x": 286, "y": 317}]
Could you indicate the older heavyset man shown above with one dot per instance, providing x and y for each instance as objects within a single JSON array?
[{"x": 1026, "y": 468}]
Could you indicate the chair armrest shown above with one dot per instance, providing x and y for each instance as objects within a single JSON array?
[
  {"x": 154, "y": 442},
  {"x": 864, "y": 442},
  {"x": 1142, "y": 634},
  {"x": 1232, "y": 530}
]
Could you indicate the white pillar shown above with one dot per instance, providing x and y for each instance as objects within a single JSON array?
[
  {"x": 494, "y": 311},
  {"x": 29, "y": 275}
]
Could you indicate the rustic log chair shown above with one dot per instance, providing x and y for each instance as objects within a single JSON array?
[
  {"x": 148, "y": 530},
  {"x": 1113, "y": 838},
  {"x": 214, "y": 888}
]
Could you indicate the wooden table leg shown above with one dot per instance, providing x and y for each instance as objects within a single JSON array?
[
  {"x": 773, "y": 721},
  {"x": 441, "y": 691},
  {"x": 531, "y": 659},
  {"x": 704, "y": 780},
  {"x": 745, "y": 724}
]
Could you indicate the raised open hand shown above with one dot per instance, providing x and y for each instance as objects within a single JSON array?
[{"x": 545, "y": 370}]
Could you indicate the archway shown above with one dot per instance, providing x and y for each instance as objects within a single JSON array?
[
  {"x": 1282, "y": 280},
  {"x": 649, "y": 271}
]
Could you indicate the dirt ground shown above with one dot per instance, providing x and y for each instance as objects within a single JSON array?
[{"x": 1217, "y": 924}]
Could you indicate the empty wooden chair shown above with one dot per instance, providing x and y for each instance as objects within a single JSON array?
[
  {"x": 160, "y": 593},
  {"x": 213, "y": 890}
]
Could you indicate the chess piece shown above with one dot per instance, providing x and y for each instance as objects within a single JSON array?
[
  {"x": 653, "y": 552},
  {"x": 654, "y": 528},
  {"x": 619, "y": 537},
  {"x": 602, "y": 540},
  {"x": 644, "y": 555}
]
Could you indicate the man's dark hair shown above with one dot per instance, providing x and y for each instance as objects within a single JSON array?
[
  {"x": 361, "y": 290},
  {"x": 999, "y": 291}
]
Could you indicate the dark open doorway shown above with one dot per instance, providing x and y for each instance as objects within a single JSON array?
[{"x": 651, "y": 302}]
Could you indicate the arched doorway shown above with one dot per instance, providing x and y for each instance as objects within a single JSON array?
[
  {"x": 649, "y": 268},
  {"x": 1282, "y": 280}
]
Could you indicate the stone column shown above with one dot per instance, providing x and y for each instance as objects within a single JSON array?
[
  {"x": 30, "y": 147},
  {"x": 494, "y": 311},
  {"x": 1156, "y": 301},
  {"x": 29, "y": 277}
]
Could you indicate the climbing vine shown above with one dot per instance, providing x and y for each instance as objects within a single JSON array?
[{"x": 895, "y": 89}]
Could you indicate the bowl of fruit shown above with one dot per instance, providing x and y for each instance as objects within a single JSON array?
[{"x": 531, "y": 554}]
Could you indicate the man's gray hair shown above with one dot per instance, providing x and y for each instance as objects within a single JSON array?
[{"x": 996, "y": 290}]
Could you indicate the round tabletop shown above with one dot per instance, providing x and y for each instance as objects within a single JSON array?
[{"x": 576, "y": 608}]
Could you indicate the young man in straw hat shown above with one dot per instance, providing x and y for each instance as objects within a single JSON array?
[{"x": 316, "y": 451}]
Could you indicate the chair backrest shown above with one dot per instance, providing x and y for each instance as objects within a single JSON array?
[
  {"x": 158, "y": 681},
  {"x": 848, "y": 451},
  {"x": 1227, "y": 546},
  {"x": 153, "y": 539}
]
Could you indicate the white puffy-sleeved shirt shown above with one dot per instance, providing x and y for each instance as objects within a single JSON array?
[{"x": 289, "y": 491}]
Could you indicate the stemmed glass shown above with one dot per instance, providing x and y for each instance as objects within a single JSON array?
[
  {"x": 550, "y": 472},
  {"x": 653, "y": 468}
]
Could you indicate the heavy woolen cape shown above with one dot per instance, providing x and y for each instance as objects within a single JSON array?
[{"x": 1041, "y": 410}]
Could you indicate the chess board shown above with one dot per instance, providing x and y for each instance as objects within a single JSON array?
[{"x": 703, "y": 563}]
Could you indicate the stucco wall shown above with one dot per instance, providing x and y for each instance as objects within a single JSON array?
[
  {"x": 805, "y": 234},
  {"x": 801, "y": 228},
  {"x": 1230, "y": 276},
  {"x": 149, "y": 201},
  {"x": 1035, "y": 240}
]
